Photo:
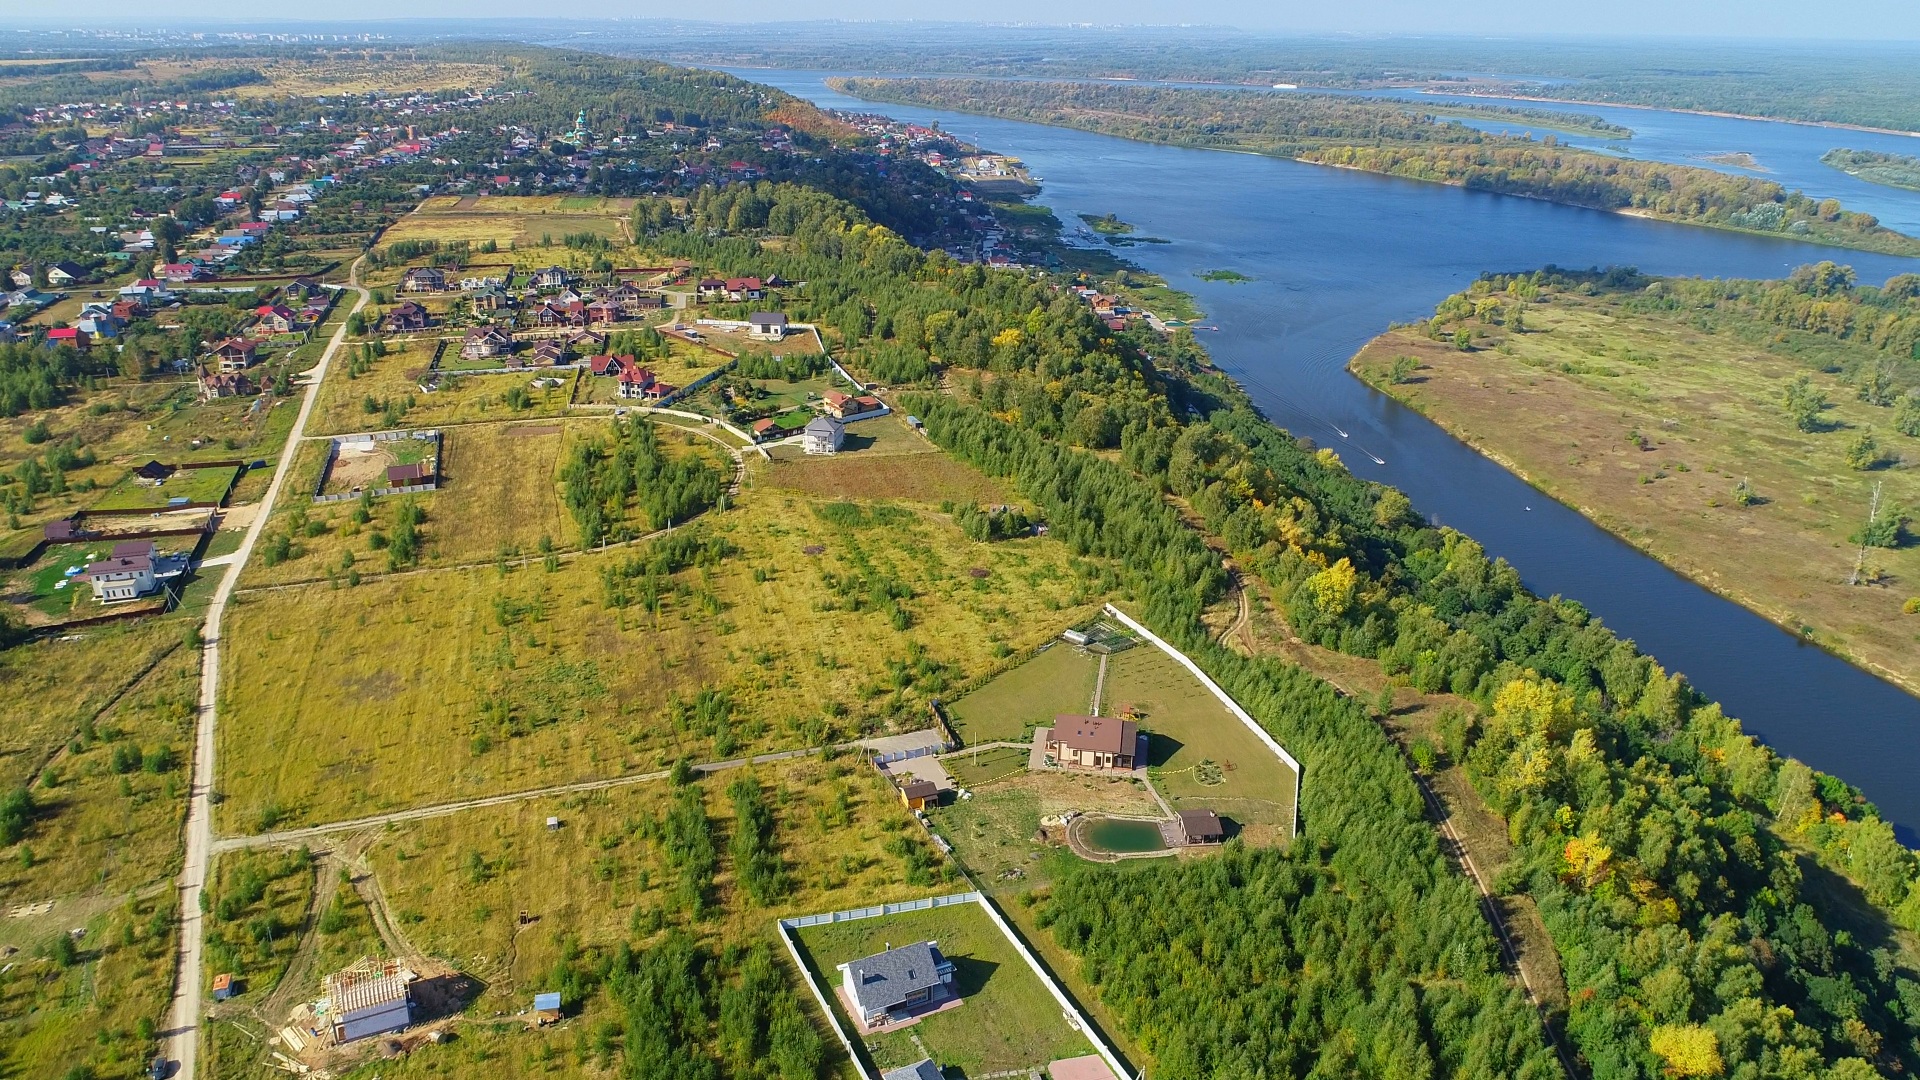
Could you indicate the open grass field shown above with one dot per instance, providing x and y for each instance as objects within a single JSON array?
[
  {"x": 1006, "y": 1020},
  {"x": 125, "y": 425},
  {"x": 972, "y": 768},
  {"x": 1645, "y": 423},
  {"x": 390, "y": 395},
  {"x": 48, "y": 587},
  {"x": 1200, "y": 755},
  {"x": 509, "y": 901},
  {"x": 516, "y": 224},
  {"x": 104, "y": 837},
  {"x": 347, "y": 72},
  {"x": 208, "y": 485},
  {"x": 438, "y": 686},
  {"x": 499, "y": 497},
  {"x": 1059, "y": 680},
  {"x": 897, "y": 464}
]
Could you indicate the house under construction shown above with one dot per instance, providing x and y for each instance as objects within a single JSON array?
[{"x": 370, "y": 998}]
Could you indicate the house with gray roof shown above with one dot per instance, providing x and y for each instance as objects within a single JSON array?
[
  {"x": 897, "y": 981},
  {"x": 924, "y": 1069},
  {"x": 823, "y": 435}
]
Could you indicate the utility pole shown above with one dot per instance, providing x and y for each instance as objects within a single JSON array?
[{"x": 1866, "y": 536}]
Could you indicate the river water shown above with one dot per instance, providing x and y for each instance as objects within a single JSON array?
[{"x": 1338, "y": 255}]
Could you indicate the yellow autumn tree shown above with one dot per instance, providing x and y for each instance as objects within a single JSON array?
[
  {"x": 1333, "y": 589},
  {"x": 1688, "y": 1050},
  {"x": 1587, "y": 860}
]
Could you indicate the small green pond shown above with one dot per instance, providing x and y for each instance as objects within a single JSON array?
[{"x": 1123, "y": 837}]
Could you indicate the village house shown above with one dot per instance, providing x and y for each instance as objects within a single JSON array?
[
  {"x": 767, "y": 325},
  {"x": 275, "y": 319},
  {"x": 1094, "y": 742},
  {"x": 897, "y": 982},
  {"x": 223, "y": 384},
  {"x": 553, "y": 277},
  {"x": 603, "y": 311},
  {"x": 709, "y": 288},
  {"x": 924, "y": 1069},
  {"x": 483, "y": 342},
  {"x": 849, "y": 407},
  {"x": 65, "y": 273},
  {"x": 69, "y": 335},
  {"x": 823, "y": 435},
  {"x": 424, "y": 279},
  {"x": 130, "y": 572},
  {"x": 548, "y": 353},
  {"x": 235, "y": 354},
  {"x": 181, "y": 271},
  {"x": 745, "y": 288},
  {"x": 491, "y": 298},
  {"x": 408, "y": 316}
]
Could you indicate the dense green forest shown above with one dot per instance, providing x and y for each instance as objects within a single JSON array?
[
  {"x": 1650, "y": 827},
  {"x": 1397, "y": 139},
  {"x": 605, "y": 479},
  {"x": 1856, "y": 82},
  {"x": 1893, "y": 170}
]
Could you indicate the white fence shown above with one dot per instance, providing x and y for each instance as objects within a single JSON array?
[
  {"x": 927, "y": 903},
  {"x": 1225, "y": 699},
  {"x": 1067, "y": 1007}
]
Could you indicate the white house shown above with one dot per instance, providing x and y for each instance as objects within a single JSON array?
[
  {"x": 823, "y": 435},
  {"x": 767, "y": 325},
  {"x": 897, "y": 982},
  {"x": 127, "y": 574}
]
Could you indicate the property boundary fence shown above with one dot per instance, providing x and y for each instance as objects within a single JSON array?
[
  {"x": 333, "y": 451},
  {"x": 1227, "y": 700},
  {"x": 1067, "y": 1007}
]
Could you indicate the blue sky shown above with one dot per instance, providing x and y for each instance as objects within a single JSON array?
[{"x": 1873, "y": 20}]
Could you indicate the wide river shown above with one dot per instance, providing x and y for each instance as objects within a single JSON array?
[{"x": 1337, "y": 255}]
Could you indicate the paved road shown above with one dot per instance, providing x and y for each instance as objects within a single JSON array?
[
  {"x": 183, "y": 1028},
  {"x": 422, "y": 813}
]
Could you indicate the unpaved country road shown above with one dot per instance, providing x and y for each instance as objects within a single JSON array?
[
  {"x": 422, "y": 813},
  {"x": 183, "y": 1027}
]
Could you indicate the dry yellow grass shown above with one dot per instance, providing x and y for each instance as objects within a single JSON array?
[
  {"x": 1646, "y": 423},
  {"x": 437, "y": 686}
]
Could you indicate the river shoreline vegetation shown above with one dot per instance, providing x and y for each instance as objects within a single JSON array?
[
  {"x": 1716, "y": 908},
  {"x": 1646, "y": 820},
  {"x": 1875, "y": 86},
  {"x": 1399, "y": 139},
  {"x": 1756, "y": 435},
  {"x": 1892, "y": 170}
]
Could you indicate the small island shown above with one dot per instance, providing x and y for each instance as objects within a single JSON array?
[
  {"x": 1107, "y": 224},
  {"x": 1875, "y": 167},
  {"x": 1738, "y": 159},
  {"x": 1230, "y": 276}
]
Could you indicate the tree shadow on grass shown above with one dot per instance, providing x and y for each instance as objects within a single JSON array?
[{"x": 1161, "y": 748}]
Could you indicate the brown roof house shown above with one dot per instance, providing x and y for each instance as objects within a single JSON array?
[
  {"x": 918, "y": 794},
  {"x": 235, "y": 354},
  {"x": 1095, "y": 742},
  {"x": 1202, "y": 827},
  {"x": 486, "y": 341},
  {"x": 223, "y": 384},
  {"x": 896, "y": 983},
  {"x": 408, "y": 316}
]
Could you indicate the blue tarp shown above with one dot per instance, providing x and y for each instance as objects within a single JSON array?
[{"x": 547, "y": 1002}]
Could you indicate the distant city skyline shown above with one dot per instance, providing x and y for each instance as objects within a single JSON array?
[{"x": 1843, "y": 20}]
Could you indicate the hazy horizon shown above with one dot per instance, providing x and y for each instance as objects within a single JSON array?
[{"x": 1769, "y": 21}]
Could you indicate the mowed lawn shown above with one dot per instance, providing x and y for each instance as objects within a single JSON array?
[
  {"x": 1201, "y": 755},
  {"x": 1007, "y": 1019},
  {"x": 421, "y": 688},
  {"x": 1059, "y": 680}
]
